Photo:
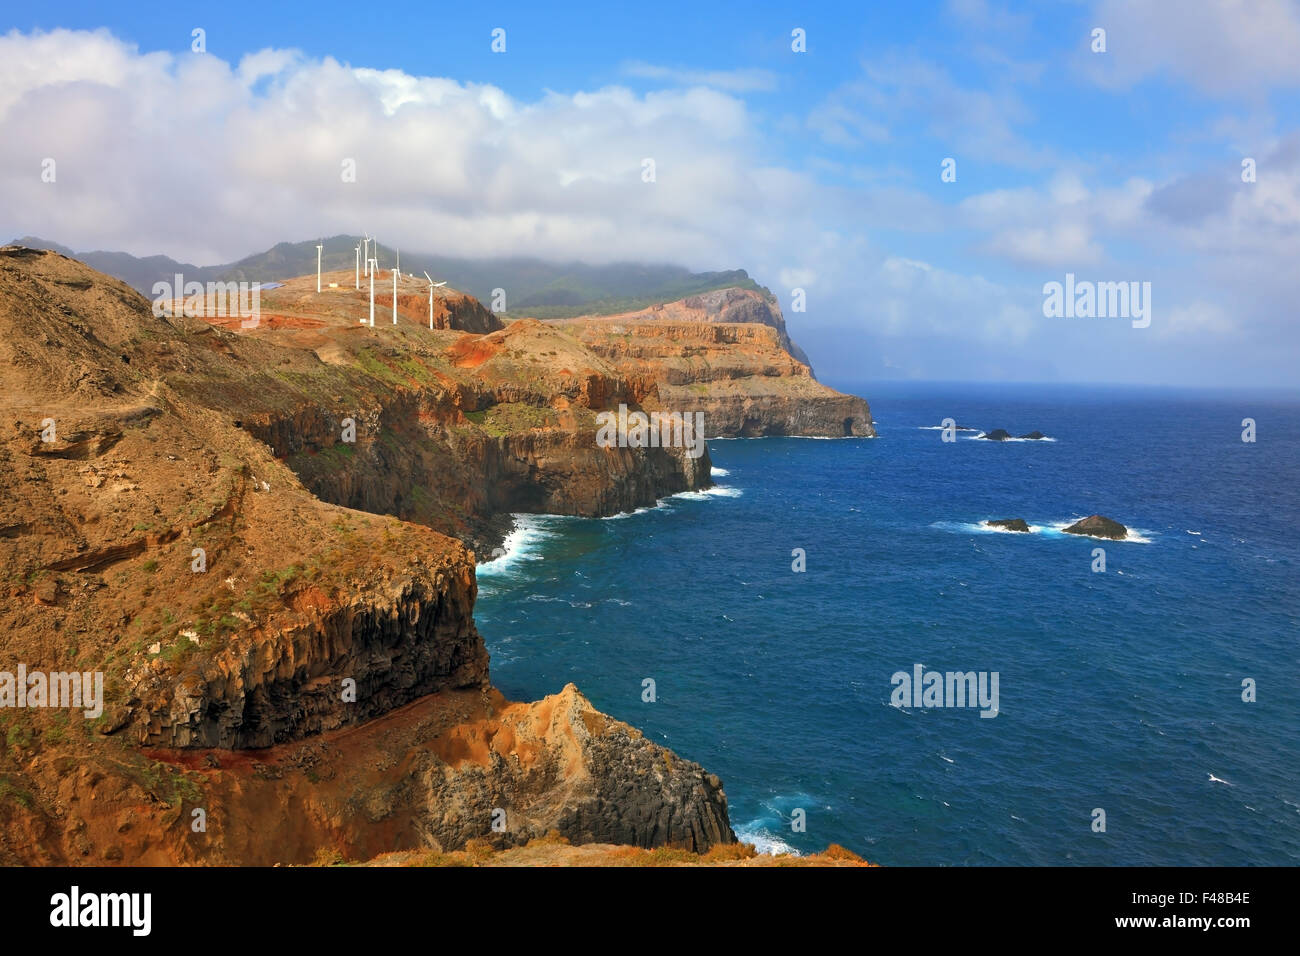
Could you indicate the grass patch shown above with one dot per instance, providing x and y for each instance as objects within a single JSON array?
[
  {"x": 11, "y": 791},
  {"x": 509, "y": 418}
]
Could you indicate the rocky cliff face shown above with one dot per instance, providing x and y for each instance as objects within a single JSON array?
[
  {"x": 263, "y": 648},
  {"x": 326, "y": 660},
  {"x": 741, "y": 376}
]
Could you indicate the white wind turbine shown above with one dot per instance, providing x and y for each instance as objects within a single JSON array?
[
  {"x": 358, "y": 265},
  {"x": 396, "y": 273},
  {"x": 319, "y": 247},
  {"x": 367, "y": 255},
  {"x": 373, "y": 263},
  {"x": 432, "y": 285}
]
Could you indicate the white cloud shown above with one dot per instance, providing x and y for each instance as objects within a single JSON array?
[
  {"x": 1194, "y": 321},
  {"x": 735, "y": 81},
  {"x": 1221, "y": 47},
  {"x": 908, "y": 91}
]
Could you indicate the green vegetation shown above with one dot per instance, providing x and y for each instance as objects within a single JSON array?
[
  {"x": 510, "y": 418},
  {"x": 11, "y": 791},
  {"x": 376, "y": 367},
  {"x": 170, "y": 786},
  {"x": 19, "y": 735},
  {"x": 334, "y": 457}
]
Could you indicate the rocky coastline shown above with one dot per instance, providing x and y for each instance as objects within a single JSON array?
[{"x": 237, "y": 525}]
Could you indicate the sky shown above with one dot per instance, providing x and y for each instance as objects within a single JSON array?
[{"x": 821, "y": 171}]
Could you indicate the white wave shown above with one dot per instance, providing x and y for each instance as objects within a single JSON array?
[
  {"x": 660, "y": 505},
  {"x": 805, "y": 437},
  {"x": 717, "y": 472},
  {"x": 523, "y": 543},
  {"x": 1197, "y": 533},
  {"x": 1214, "y": 779},
  {"x": 1048, "y": 529},
  {"x": 980, "y": 527},
  {"x": 1013, "y": 438},
  {"x": 764, "y": 841},
  {"x": 723, "y": 491},
  {"x": 717, "y": 491}
]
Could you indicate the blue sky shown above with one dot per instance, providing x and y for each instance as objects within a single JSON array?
[{"x": 816, "y": 170}]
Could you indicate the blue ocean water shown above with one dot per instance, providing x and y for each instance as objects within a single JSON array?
[{"x": 1119, "y": 690}]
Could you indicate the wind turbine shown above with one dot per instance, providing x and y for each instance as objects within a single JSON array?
[
  {"x": 399, "y": 259},
  {"x": 396, "y": 273},
  {"x": 432, "y": 286},
  {"x": 373, "y": 263},
  {"x": 358, "y": 250},
  {"x": 367, "y": 242},
  {"x": 319, "y": 247}
]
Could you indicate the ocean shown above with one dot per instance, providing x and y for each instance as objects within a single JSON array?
[{"x": 1118, "y": 690}]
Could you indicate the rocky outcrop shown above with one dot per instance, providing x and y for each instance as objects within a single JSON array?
[
  {"x": 561, "y": 765},
  {"x": 1001, "y": 434},
  {"x": 743, "y": 306},
  {"x": 741, "y": 377},
  {"x": 1009, "y": 524},
  {"x": 1098, "y": 526}
]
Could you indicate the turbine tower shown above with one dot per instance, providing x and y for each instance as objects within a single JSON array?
[
  {"x": 373, "y": 263},
  {"x": 358, "y": 251},
  {"x": 319, "y": 247},
  {"x": 367, "y": 256},
  {"x": 396, "y": 273},
  {"x": 432, "y": 286}
]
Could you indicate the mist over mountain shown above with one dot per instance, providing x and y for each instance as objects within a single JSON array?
[{"x": 531, "y": 286}]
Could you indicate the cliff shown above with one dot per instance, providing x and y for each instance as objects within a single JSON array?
[
  {"x": 263, "y": 535},
  {"x": 726, "y": 353},
  {"x": 313, "y": 636}
]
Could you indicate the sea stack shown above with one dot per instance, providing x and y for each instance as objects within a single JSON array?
[
  {"x": 998, "y": 434},
  {"x": 1099, "y": 526}
]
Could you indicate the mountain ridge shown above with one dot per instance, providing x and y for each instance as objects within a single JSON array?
[{"x": 533, "y": 286}]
